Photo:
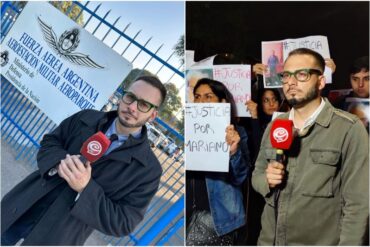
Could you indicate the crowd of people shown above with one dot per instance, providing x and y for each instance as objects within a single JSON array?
[{"x": 318, "y": 193}]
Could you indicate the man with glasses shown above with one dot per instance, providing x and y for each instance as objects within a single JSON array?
[
  {"x": 65, "y": 200},
  {"x": 323, "y": 182}
]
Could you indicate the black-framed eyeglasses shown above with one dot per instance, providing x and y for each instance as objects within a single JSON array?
[
  {"x": 301, "y": 75},
  {"x": 142, "y": 105}
]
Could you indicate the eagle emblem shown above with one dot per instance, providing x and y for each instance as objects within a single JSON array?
[{"x": 66, "y": 45}]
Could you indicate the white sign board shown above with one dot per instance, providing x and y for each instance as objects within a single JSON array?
[
  {"x": 58, "y": 65},
  {"x": 317, "y": 43},
  {"x": 237, "y": 78},
  {"x": 189, "y": 58},
  {"x": 274, "y": 54},
  {"x": 205, "y": 145}
]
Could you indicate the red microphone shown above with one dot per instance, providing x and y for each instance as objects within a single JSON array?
[
  {"x": 94, "y": 147},
  {"x": 281, "y": 136}
]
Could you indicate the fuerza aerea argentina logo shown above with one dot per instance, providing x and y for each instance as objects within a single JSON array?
[
  {"x": 66, "y": 45},
  {"x": 94, "y": 148},
  {"x": 280, "y": 134}
]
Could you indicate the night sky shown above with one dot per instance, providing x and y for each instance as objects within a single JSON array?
[{"x": 239, "y": 27}]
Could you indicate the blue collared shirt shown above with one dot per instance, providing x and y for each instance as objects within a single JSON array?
[{"x": 121, "y": 138}]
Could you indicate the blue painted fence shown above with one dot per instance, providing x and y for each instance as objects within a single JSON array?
[{"x": 23, "y": 125}]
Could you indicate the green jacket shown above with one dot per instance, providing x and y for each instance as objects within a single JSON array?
[{"x": 325, "y": 199}]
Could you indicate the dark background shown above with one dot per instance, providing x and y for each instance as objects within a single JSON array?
[{"x": 240, "y": 27}]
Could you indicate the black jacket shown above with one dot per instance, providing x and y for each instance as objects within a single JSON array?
[{"x": 115, "y": 199}]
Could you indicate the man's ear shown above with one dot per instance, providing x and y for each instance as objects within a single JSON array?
[
  {"x": 153, "y": 115},
  {"x": 223, "y": 101},
  {"x": 322, "y": 82}
]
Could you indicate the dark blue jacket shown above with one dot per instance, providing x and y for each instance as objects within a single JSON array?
[
  {"x": 114, "y": 201},
  {"x": 225, "y": 192}
]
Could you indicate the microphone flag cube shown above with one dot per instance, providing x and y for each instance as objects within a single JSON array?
[
  {"x": 95, "y": 146},
  {"x": 281, "y": 134}
]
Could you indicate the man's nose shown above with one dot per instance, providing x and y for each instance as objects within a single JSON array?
[
  {"x": 133, "y": 106},
  {"x": 362, "y": 82},
  {"x": 292, "y": 80},
  {"x": 203, "y": 100}
]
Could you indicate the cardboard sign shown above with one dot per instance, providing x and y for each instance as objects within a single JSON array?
[
  {"x": 205, "y": 145},
  {"x": 237, "y": 78}
]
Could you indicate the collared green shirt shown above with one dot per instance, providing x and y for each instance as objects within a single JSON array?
[{"x": 324, "y": 199}]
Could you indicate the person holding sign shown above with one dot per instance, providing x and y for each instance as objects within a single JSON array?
[
  {"x": 268, "y": 102},
  {"x": 319, "y": 194},
  {"x": 359, "y": 79},
  {"x": 214, "y": 200},
  {"x": 359, "y": 76},
  {"x": 63, "y": 201}
]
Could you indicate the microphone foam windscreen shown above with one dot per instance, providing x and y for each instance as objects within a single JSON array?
[
  {"x": 281, "y": 134},
  {"x": 95, "y": 147}
]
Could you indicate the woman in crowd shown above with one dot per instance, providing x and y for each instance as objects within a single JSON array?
[
  {"x": 268, "y": 102},
  {"x": 214, "y": 200}
]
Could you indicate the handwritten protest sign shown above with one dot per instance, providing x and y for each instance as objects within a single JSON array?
[
  {"x": 205, "y": 145},
  {"x": 237, "y": 78},
  {"x": 317, "y": 43},
  {"x": 274, "y": 54}
]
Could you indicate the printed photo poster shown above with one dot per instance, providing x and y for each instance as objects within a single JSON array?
[
  {"x": 360, "y": 108},
  {"x": 272, "y": 56},
  {"x": 193, "y": 75},
  {"x": 197, "y": 71},
  {"x": 205, "y": 144},
  {"x": 237, "y": 78},
  {"x": 57, "y": 64},
  {"x": 271, "y": 50}
]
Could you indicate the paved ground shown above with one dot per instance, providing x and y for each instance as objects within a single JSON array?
[{"x": 13, "y": 171}]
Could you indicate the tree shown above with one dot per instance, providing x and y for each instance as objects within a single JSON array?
[
  {"x": 73, "y": 13},
  {"x": 64, "y": 6},
  {"x": 135, "y": 73},
  {"x": 179, "y": 49},
  {"x": 180, "y": 53},
  {"x": 171, "y": 105},
  {"x": 180, "y": 124}
]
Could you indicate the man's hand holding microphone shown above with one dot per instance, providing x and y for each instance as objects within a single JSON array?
[
  {"x": 281, "y": 137},
  {"x": 74, "y": 172},
  {"x": 76, "y": 169}
]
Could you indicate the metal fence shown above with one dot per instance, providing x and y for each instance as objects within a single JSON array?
[{"x": 23, "y": 125}]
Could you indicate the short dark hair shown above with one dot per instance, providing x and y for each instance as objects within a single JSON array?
[
  {"x": 221, "y": 91},
  {"x": 361, "y": 63},
  {"x": 320, "y": 61},
  {"x": 155, "y": 82}
]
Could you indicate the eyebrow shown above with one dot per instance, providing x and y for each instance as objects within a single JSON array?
[
  {"x": 210, "y": 93},
  {"x": 137, "y": 98}
]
